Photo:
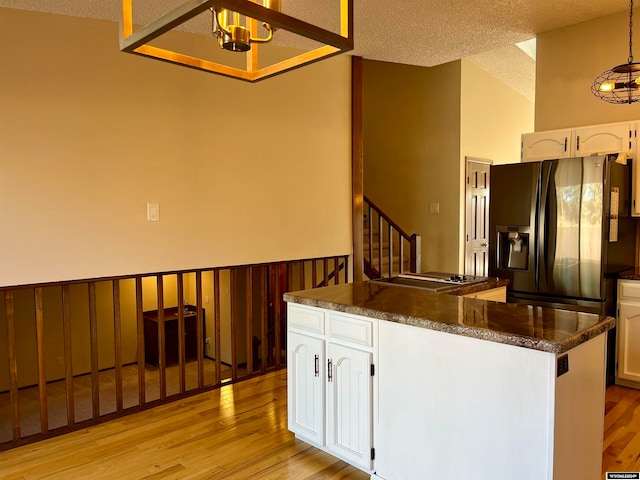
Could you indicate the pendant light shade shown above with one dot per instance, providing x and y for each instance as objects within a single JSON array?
[
  {"x": 621, "y": 84},
  {"x": 235, "y": 25}
]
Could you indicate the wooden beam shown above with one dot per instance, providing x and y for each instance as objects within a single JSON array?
[{"x": 357, "y": 161}]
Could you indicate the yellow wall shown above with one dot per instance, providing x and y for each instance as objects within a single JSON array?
[
  {"x": 492, "y": 118},
  {"x": 568, "y": 60},
  {"x": 89, "y": 135},
  {"x": 419, "y": 124},
  {"x": 412, "y": 150}
]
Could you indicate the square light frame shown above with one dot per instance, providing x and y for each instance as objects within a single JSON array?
[{"x": 333, "y": 43}]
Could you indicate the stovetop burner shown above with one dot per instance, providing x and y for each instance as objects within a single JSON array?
[{"x": 434, "y": 281}]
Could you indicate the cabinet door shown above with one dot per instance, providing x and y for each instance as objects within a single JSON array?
[
  {"x": 546, "y": 145},
  {"x": 629, "y": 341},
  {"x": 305, "y": 387},
  {"x": 349, "y": 410},
  {"x": 611, "y": 138}
]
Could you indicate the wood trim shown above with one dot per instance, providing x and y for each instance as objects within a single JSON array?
[
  {"x": 140, "y": 328},
  {"x": 357, "y": 162},
  {"x": 181, "y": 333},
  {"x": 216, "y": 325},
  {"x": 93, "y": 335},
  {"x": 68, "y": 353},
  {"x": 117, "y": 344},
  {"x": 249, "y": 319},
  {"x": 13, "y": 365},
  {"x": 264, "y": 318},
  {"x": 162, "y": 353},
  {"x": 234, "y": 323},
  {"x": 42, "y": 377},
  {"x": 200, "y": 333}
]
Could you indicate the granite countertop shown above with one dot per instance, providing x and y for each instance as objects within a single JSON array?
[
  {"x": 490, "y": 282},
  {"x": 538, "y": 328},
  {"x": 633, "y": 274}
]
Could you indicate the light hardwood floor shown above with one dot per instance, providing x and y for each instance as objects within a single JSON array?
[{"x": 239, "y": 432}]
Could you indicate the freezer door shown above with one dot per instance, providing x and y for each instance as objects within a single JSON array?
[
  {"x": 512, "y": 218},
  {"x": 571, "y": 227}
]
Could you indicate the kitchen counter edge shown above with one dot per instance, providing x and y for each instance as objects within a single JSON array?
[{"x": 603, "y": 323}]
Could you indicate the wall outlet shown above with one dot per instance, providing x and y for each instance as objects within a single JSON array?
[
  {"x": 434, "y": 208},
  {"x": 207, "y": 340},
  {"x": 59, "y": 360}
]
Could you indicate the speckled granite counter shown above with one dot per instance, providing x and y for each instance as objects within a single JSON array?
[
  {"x": 545, "y": 329},
  {"x": 633, "y": 274},
  {"x": 491, "y": 282}
]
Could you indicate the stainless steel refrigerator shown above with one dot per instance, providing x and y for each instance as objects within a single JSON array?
[{"x": 561, "y": 231}]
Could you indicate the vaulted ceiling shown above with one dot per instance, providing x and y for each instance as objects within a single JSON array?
[{"x": 414, "y": 32}]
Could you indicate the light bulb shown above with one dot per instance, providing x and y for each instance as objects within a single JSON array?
[{"x": 606, "y": 87}]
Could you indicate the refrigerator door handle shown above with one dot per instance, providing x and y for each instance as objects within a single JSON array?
[{"x": 542, "y": 225}]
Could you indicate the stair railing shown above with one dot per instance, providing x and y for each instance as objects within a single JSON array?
[{"x": 388, "y": 249}]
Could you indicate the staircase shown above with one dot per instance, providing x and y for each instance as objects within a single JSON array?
[{"x": 388, "y": 249}]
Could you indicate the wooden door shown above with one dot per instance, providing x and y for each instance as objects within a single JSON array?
[{"x": 477, "y": 218}]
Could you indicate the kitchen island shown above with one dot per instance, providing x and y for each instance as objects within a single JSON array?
[{"x": 407, "y": 384}]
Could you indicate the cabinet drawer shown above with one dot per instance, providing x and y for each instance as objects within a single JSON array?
[
  {"x": 629, "y": 290},
  {"x": 305, "y": 319},
  {"x": 355, "y": 330}
]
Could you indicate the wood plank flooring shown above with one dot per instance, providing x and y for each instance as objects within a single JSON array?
[{"x": 239, "y": 432}]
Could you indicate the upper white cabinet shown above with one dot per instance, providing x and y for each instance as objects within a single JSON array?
[
  {"x": 579, "y": 142},
  {"x": 546, "y": 145},
  {"x": 600, "y": 139}
]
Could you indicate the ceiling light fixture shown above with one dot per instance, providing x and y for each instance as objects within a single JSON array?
[
  {"x": 621, "y": 84},
  {"x": 233, "y": 35}
]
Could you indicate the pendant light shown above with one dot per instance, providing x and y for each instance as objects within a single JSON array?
[
  {"x": 621, "y": 84},
  {"x": 235, "y": 26}
]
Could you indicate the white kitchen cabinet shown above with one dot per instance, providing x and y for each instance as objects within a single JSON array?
[
  {"x": 602, "y": 139},
  {"x": 349, "y": 412},
  {"x": 579, "y": 142},
  {"x": 306, "y": 388},
  {"x": 546, "y": 145},
  {"x": 330, "y": 358},
  {"x": 628, "y": 355}
]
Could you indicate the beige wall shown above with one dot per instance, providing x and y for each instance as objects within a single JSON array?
[
  {"x": 492, "y": 118},
  {"x": 419, "y": 124},
  {"x": 243, "y": 173},
  {"x": 412, "y": 151},
  {"x": 568, "y": 60}
]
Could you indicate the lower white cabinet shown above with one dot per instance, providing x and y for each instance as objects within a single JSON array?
[
  {"x": 349, "y": 411},
  {"x": 330, "y": 382},
  {"x": 628, "y": 355},
  {"x": 306, "y": 392}
]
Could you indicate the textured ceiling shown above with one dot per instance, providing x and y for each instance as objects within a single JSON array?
[{"x": 415, "y": 32}]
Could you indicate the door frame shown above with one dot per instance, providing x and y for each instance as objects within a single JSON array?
[{"x": 467, "y": 206}]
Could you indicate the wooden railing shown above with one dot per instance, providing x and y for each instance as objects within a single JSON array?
[
  {"x": 82, "y": 352},
  {"x": 388, "y": 249}
]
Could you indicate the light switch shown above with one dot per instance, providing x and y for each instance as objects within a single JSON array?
[
  {"x": 153, "y": 212},
  {"x": 434, "y": 208}
]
